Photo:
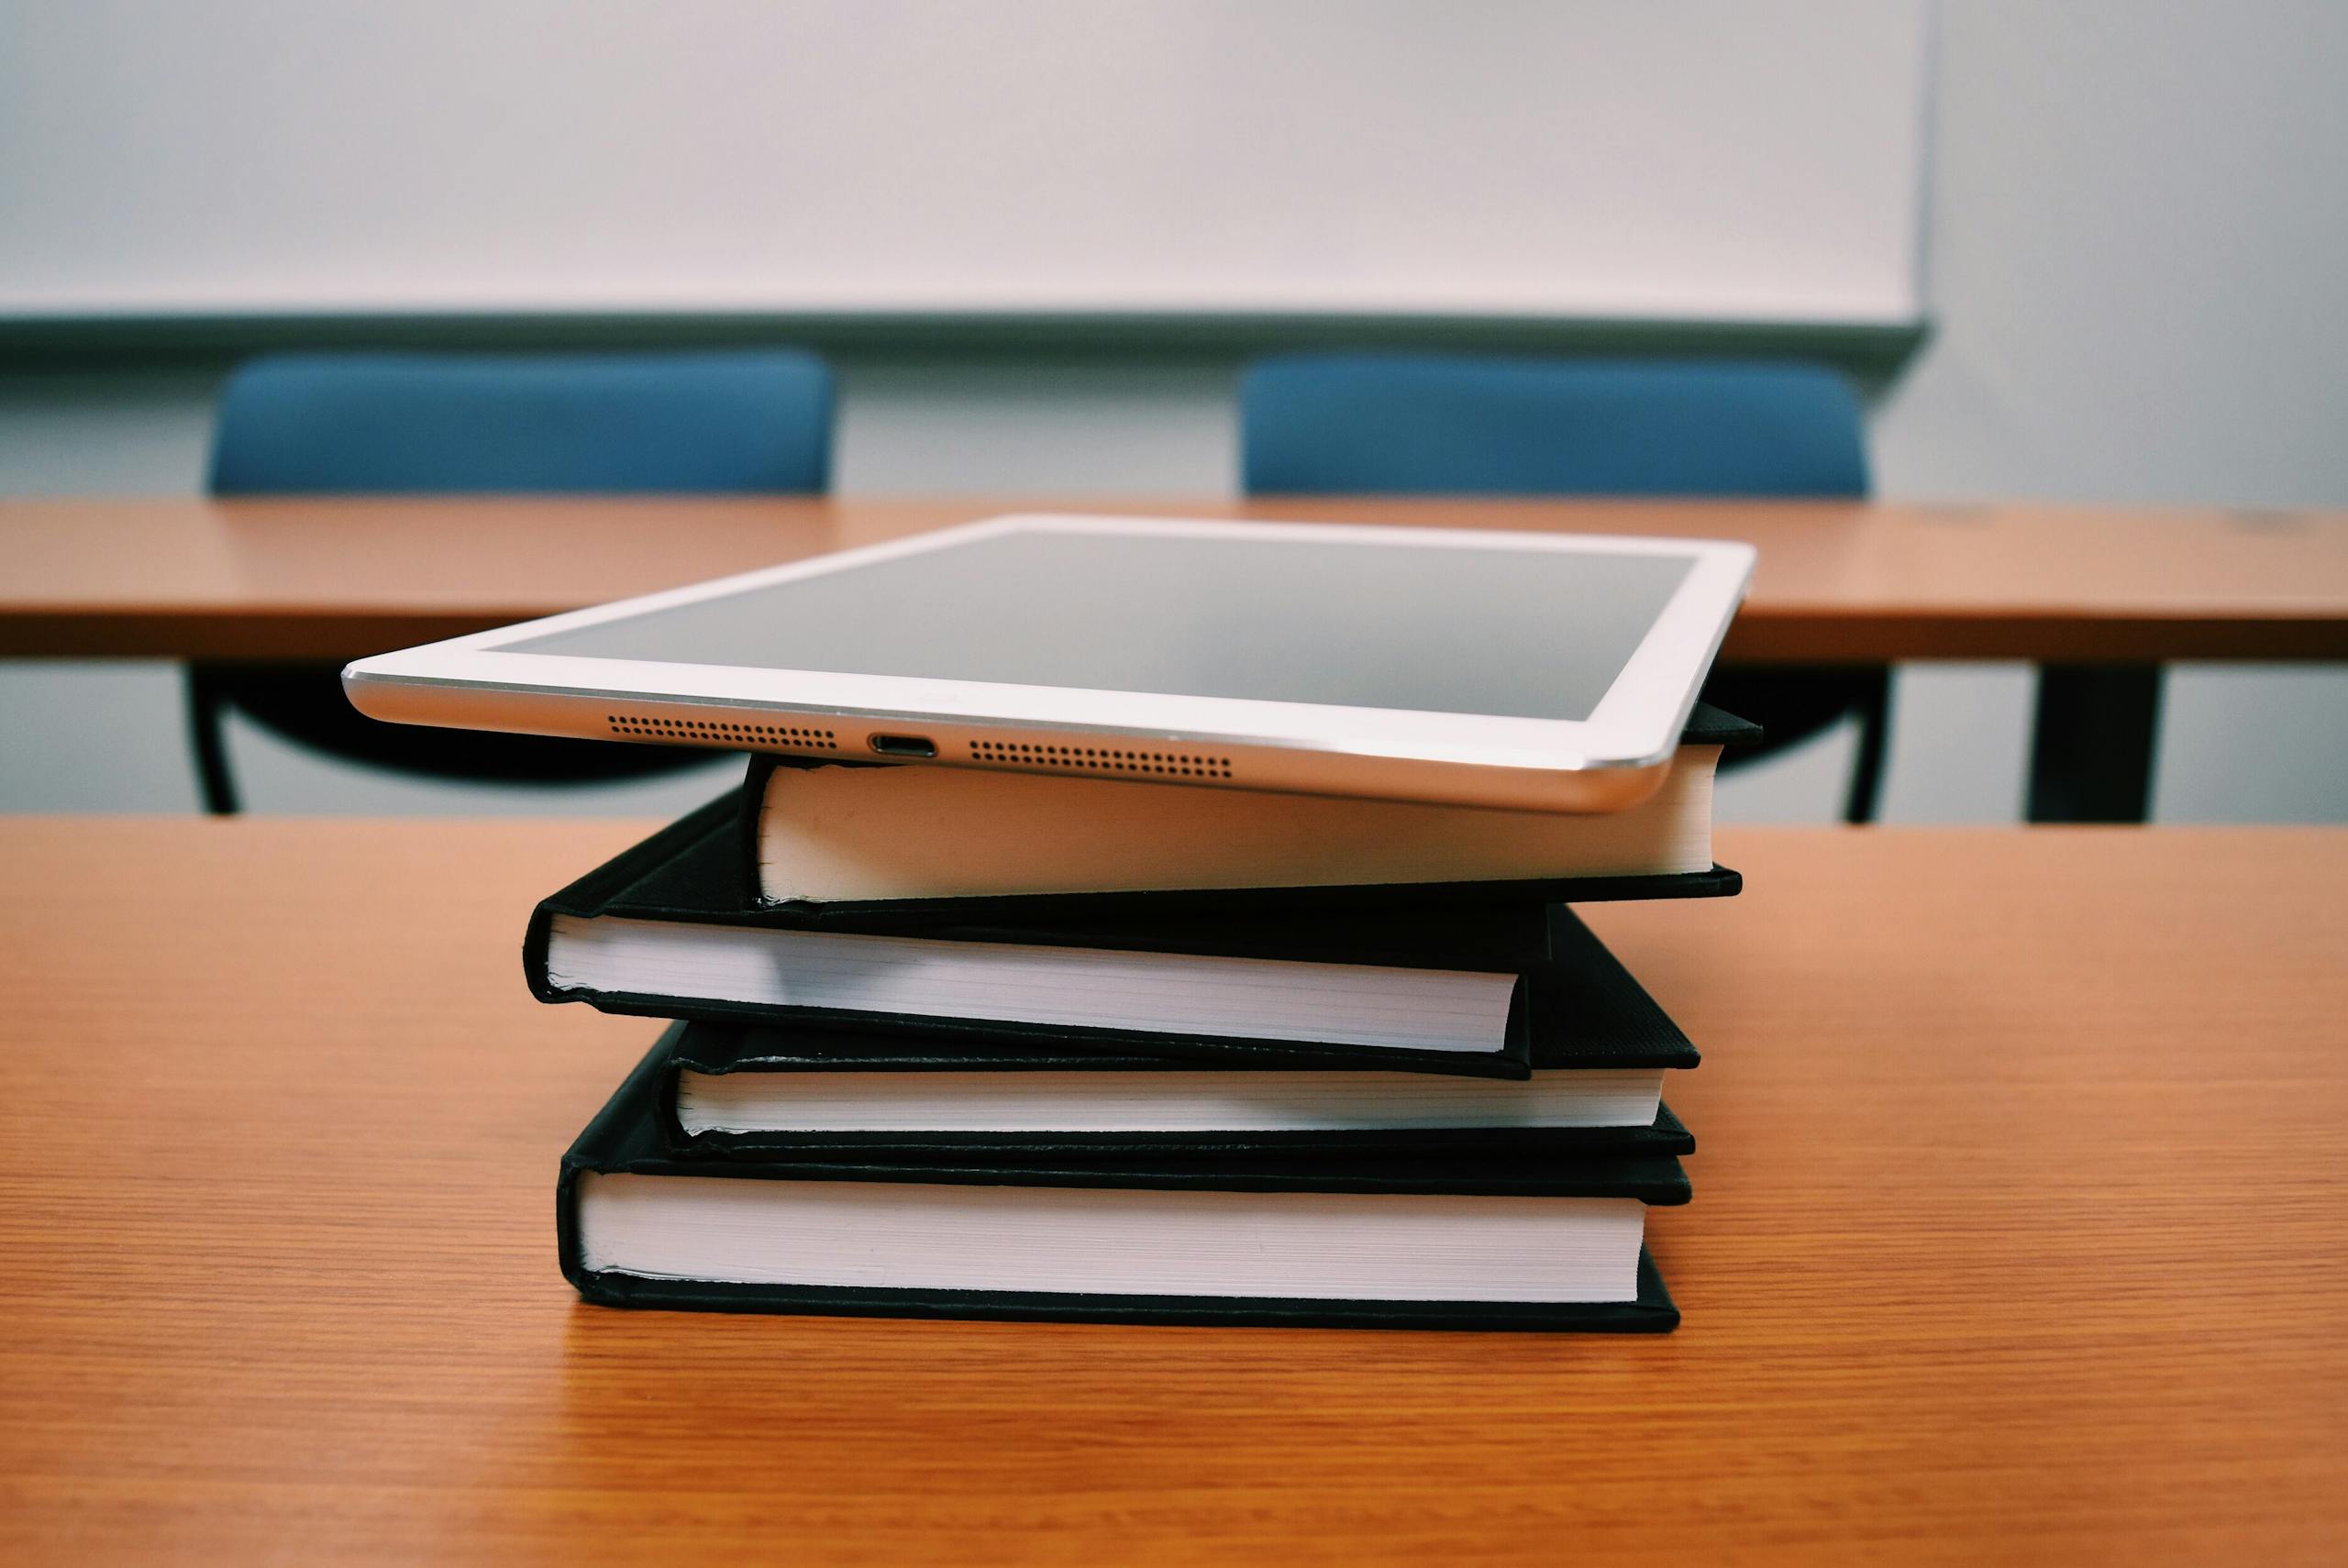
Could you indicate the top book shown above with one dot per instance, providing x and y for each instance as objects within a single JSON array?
[{"x": 860, "y": 834}]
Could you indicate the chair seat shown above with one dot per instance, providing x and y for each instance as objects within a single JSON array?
[
  {"x": 304, "y": 704},
  {"x": 1790, "y": 704}
]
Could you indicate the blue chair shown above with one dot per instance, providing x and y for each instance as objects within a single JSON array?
[
  {"x": 1442, "y": 424},
  {"x": 724, "y": 422}
]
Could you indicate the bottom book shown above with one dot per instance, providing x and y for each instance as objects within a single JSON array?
[{"x": 1459, "y": 1239}]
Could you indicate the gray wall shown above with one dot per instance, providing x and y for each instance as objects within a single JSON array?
[{"x": 2134, "y": 263}]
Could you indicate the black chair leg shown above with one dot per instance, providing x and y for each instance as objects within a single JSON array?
[
  {"x": 208, "y": 740},
  {"x": 1874, "y": 713}
]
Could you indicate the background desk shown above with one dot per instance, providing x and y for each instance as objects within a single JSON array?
[
  {"x": 2017, "y": 1234},
  {"x": 2100, "y": 597}
]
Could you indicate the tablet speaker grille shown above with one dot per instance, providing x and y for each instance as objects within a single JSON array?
[
  {"x": 1104, "y": 761},
  {"x": 720, "y": 732}
]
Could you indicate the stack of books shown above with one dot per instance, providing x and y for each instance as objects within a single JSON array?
[{"x": 962, "y": 1044}]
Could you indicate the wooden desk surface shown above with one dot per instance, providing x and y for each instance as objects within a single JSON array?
[
  {"x": 295, "y": 578},
  {"x": 2019, "y": 1234}
]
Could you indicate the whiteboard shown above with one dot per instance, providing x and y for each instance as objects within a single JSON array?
[{"x": 1707, "y": 159}]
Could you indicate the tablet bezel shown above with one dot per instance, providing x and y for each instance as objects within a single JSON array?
[{"x": 482, "y": 683}]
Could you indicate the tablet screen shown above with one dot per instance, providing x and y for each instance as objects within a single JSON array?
[{"x": 1526, "y": 634}]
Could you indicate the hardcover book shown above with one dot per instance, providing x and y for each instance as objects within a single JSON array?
[
  {"x": 1597, "y": 1081},
  {"x": 658, "y": 931},
  {"x": 1464, "y": 1239},
  {"x": 862, "y": 841}
]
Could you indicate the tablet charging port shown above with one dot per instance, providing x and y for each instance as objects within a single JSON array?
[{"x": 903, "y": 745}]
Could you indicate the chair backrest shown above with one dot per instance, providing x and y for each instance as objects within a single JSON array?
[
  {"x": 733, "y": 422},
  {"x": 1437, "y": 425}
]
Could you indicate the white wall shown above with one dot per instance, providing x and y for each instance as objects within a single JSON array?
[
  {"x": 2138, "y": 247},
  {"x": 2138, "y": 256},
  {"x": 2134, "y": 262}
]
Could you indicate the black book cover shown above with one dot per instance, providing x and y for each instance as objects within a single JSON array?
[
  {"x": 1706, "y": 725},
  {"x": 1589, "y": 1013},
  {"x": 625, "y": 1137},
  {"x": 690, "y": 873}
]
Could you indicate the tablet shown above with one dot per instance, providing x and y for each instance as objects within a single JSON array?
[{"x": 1529, "y": 670}]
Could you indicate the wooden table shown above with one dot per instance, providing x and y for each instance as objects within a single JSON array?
[
  {"x": 1838, "y": 583},
  {"x": 2019, "y": 1235},
  {"x": 2099, "y": 596}
]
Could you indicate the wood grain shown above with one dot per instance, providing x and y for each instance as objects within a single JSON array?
[
  {"x": 1838, "y": 581},
  {"x": 2019, "y": 1235}
]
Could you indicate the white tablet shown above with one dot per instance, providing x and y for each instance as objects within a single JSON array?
[{"x": 1531, "y": 671}]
